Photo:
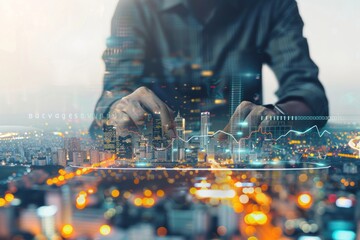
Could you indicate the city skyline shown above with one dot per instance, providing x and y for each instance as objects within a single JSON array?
[{"x": 203, "y": 180}]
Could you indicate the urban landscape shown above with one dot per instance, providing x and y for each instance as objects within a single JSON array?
[
  {"x": 179, "y": 120},
  {"x": 145, "y": 185}
]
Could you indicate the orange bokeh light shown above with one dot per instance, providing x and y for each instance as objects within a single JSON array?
[
  {"x": 115, "y": 193},
  {"x": 161, "y": 231},
  {"x": 2, "y": 202},
  {"x": 147, "y": 193},
  {"x": 160, "y": 193},
  {"x": 105, "y": 230},
  {"x": 304, "y": 200},
  {"x": 67, "y": 230},
  {"x": 9, "y": 197}
]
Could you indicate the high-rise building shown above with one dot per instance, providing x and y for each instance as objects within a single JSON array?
[
  {"x": 180, "y": 126},
  {"x": 222, "y": 152},
  {"x": 94, "y": 156},
  {"x": 47, "y": 218},
  {"x": 178, "y": 144},
  {"x": 66, "y": 205},
  {"x": 109, "y": 138},
  {"x": 211, "y": 148},
  {"x": 78, "y": 158},
  {"x": 71, "y": 145},
  {"x": 61, "y": 156},
  {"x": 54, "y": 158},
  {"x": 49, "y": 160},
  {"x": 157, "y": 131},
  {"x": 124, "y": 147},
  {"x": 236, "y": 96},
  {"x": 204, "y": 130},
  {"x": 105, "y": 156},
  {"x": 236, "y": 149},
  {"x": 161, "y": 155},
  {"x": 145, "y": 149},
  {"x": 40, "y": 161},
  {"x": 53, "y": 198}
]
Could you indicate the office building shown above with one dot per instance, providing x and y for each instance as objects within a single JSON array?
[
  {"x": 144, "y": 149},
  {"x": 109, "y": 138},
  {"x": 71, "y": 145},
  {"x": 157, "y": 131},
  {"x": 178, "y": 144},
  {"x": 94, "y": 156},
  {"x": 204, "y": 130},
  {"x": 124, "y": 147},
  {"x": 47, "y": 220},
  {"x": 79, "y": 158}
]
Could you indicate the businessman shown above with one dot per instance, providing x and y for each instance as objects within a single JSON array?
[{"x": 166, "y": 56}]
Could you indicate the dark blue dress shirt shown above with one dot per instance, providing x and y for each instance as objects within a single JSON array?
[{"x": 213, "y": 65}]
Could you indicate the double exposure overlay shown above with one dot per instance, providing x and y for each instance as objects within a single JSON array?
[{"x": 155, "y": 120}]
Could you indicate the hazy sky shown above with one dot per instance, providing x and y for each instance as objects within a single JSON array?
[{"x": 50, "y": 55}]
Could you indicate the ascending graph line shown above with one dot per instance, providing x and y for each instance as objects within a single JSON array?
[
  {"x": 229, "y": 134},
  {"x": 306, "y": 131},
  {"x": 259, "y": 131},
  {"x": 245, "y": 138}
]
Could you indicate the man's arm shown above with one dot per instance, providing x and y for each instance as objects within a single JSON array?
[
  {"x": 287, "y": 53},
  {"x": 125, "y": 61},
  {"x": 300, "y": 91}
]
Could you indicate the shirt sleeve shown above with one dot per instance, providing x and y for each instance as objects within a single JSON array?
[
  {"x": 288, "y": 56},
  {"x": 123, "y": 58}
]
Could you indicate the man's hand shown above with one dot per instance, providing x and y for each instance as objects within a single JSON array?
[
  {"x": 251, "y": 116},
  {"x": 129, "y": 113},
  {"x": 247, "y": 116}
]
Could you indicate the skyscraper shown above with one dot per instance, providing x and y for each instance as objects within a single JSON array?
[
  {"x": 157, "y": 131},
  {"x": 236, "y": 149},
  {"x": 47, "y": 218},
  {"x": 145, "y": 150},
  {"x": 180, "y": 126},
  {"x": 66, "y": 205},
  {"x": 79, "y": 157},
  {"x": 94, "y": 156},
  {"x": 178, "y": 145},
  {"x": 124, "y": 147},
  {"x": 72, "y": 145},
  {"x": 110, "y": 138},
  {"x": 204, "y": 130},
  {"x": 61, "y": 156},
  {"x": 161, "y": 155}
]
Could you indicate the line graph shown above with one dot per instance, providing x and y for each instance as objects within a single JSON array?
[
  {"x": 304, "y": 132},
  {"x": 226, "y": 133},
  {"x": 259, "y": 130}
]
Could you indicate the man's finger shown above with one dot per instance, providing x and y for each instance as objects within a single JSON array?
[
  {"x": 136, "y": 113},
  {"x": 266, "y": 120},
  {"x": 151, "y": 102},
  {"x": 254, "y": 118},
  {"x": 237, "y": 119},
  {"x": 123, "y": 123}
]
